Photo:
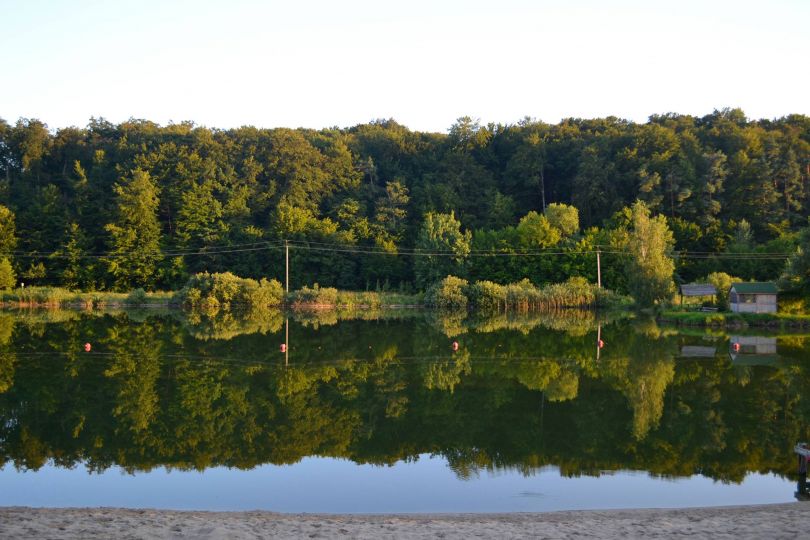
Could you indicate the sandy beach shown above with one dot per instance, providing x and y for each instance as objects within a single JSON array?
[{"x": 768, "y": 521}]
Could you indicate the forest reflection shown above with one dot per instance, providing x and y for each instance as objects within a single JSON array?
[{"x": 522, "y": 392}]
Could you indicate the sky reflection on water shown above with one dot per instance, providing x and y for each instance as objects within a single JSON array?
[{"x": 340, "y": 486}]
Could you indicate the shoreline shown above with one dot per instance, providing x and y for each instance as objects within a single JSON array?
[{"x": 784, "y": 520}]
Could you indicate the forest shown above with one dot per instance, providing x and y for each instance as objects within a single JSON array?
[{"x": 379, "y": 206}]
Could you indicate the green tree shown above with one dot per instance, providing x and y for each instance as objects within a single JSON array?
[
  {"x": 135, "y": 235},
  {"x": 447, "y": 245},
  {"x": 7, "y": 277},
  {"x": 649, "y": 266},
  {"x": 797, "y": 269},
  {"x": 563, "y": 217}
]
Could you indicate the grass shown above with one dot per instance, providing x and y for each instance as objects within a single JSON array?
[{"x": 56, "y": 297}]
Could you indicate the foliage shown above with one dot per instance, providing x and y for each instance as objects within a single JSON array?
[
  {"x": 135, "y": 204},
  {"x": 7, "y": 277},
  {"x": 135, "y": 236},
  {"x": 453, "y": 292},
  {"x": 797, "y": 271},
  {"x": 449, "y": 293},
  {"x": 441, "y": 238},
  {"x": 210, "y": 293},
  {"x": 649, "y": 266},
  {"x": 316, "y": 295},
  {"x": 487, "y": 296},
  {"x": 722, "y": 283},
  {"x": 563, "y": 217}
]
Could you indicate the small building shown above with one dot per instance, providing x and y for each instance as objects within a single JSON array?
[
  {"x": 752, "y": 297},
  {"x": 692, "y": 290}
]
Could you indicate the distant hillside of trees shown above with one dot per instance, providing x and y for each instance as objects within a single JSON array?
[{"x": 140, "y": 205}]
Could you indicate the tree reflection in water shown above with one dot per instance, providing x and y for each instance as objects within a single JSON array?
[{"x": 522, "y": 392}]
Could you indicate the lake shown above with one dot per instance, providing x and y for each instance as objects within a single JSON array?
[{"x": 375, "y": 412}]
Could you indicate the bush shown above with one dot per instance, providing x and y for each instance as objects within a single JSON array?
[
  {"x": 447, "y": 294},
  {"x": 260, "y": 294},
  {"x": 576, "y": 292},
  {"x": 487, "y": 295},
  {"x": 213, "y": 292},
  {"x": 316, "y": 295},
  {"x": 137, "y": 297}
]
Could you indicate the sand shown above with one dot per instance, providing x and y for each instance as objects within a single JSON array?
[{"x": 768, "y": 521}]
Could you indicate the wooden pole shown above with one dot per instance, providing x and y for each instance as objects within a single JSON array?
[
  {"x": 598, "y": 341},
  {"x": 287, "y": 266},
  {"x": 286, "y": 341},
  {"x": 598, "y": 269}
]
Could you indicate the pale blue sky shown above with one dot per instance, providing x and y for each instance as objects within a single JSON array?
[{"x": 425, "y": 63}]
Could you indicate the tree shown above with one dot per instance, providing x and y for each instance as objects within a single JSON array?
[
  {"x": 649, "y": 267},
  {"x": 722, "y": 283},
  {"x": 135, "y": 235},
  {"x": 440, "y": 236},
  {"x": 797, "y": 269},
  {"x": 391, "y": 208},
  {"x": 8, "y": 231},
  {"x": 7, "y": 277},
  {"x": 535, "y": 231},
  {"x": 564, "y": 218}
]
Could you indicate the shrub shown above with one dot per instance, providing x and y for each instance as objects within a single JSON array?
[
  {"x": 447, "y": 293},
  {"x": 137, "y": 297},
  {"x": 260, "y": 294},
  {"x": 487, "y": 295},
  {"x": 316, "y": 295},
  {"x": 214, "y": 292}
]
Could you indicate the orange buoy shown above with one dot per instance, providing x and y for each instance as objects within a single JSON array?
[
  {"x": 283, "y": 347},
  {"x": 600, "y": 344},
  {"x": 455, "y": 345},
  {"x": 87, "y": 347}
]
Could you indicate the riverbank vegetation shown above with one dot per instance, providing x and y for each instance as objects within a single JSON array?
[
  {"x": 378, "y": 207},
  {"x": 456, "y": 293}
]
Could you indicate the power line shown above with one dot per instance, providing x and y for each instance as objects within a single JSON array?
[{"x": 354, "y": 249}]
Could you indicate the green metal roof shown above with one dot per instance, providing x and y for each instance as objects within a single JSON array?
[{"x": 755, "y": 288}]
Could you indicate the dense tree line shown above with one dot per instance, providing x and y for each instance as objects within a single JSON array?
[{"x": 140, "y": 205}]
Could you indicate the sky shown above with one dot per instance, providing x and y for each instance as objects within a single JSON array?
[{"x": 321, "y": 63}]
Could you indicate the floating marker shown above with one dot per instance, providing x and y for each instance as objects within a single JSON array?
[
  {"x": 455, "y": 345},
  {"x": 87, "y": 347},
  {"x": 283, "y": 347}
]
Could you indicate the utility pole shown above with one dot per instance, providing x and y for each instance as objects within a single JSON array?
[
  {"x": 598, "y": 269},
  {"x": 287, "y": 266}
]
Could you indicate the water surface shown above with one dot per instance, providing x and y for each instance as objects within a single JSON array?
[{"x": 380, "y": 415}]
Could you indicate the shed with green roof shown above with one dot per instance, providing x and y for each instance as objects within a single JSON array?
[{"x": 753, "y": 297}]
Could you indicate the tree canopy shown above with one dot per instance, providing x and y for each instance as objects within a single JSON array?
[{"x": 115, "y": 206}]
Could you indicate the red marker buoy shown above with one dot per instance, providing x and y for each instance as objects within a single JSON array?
[
  {"x": 455, "y": 345},
  {"x": 283, "y": 347},
  {"x": 600, "y": 344},
  {"x": 87, "y": 347}
]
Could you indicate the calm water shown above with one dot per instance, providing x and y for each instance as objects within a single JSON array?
[{"x": 380, "y": 415}]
